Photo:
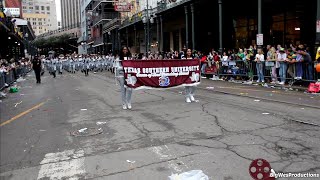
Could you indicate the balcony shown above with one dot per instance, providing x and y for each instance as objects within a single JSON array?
[
  {"x": 106, "y": 16},
  {"x": 98, "y": 41},
  {"x": 113, "y": 24},
  {"x": 96, "y": 3},
  {"x": 137, "y": 17}
]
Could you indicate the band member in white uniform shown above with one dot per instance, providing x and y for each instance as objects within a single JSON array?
[
  {"x": 126, "y": 92},
  {"x": 189, "y": 90}
]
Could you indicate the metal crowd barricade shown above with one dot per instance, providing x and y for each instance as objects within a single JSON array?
[
  {"x": 2, "y": 80},
  {"x": 246, "y": 70},
  {"x": 11, "y": 76},
  {"x": 235, "y": 68}
]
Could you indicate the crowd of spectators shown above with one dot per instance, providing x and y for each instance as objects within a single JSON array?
[
  {"x": 275, "y": 64},
  {"x": 11, "y": 70}
]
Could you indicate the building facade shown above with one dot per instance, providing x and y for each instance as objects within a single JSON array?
[
  {"x": 85, "y": 30},
  {"x": 174, "y": 24},
  {"x": 99, "y": 14},
  {"x": 41, "y": 14},
  {"x": 15, "y": 6},
  {"x": 70, "y": 13},
  {"x": 16, "y": 33}
]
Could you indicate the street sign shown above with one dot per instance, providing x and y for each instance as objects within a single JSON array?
[
  {"x": 259, "y": 39},
  {"x": 13, "y": 12},
  {"x": 122, "y": 6},
  {"x": 318, "y": 26}
]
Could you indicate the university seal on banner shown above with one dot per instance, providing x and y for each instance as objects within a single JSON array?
[
  {"x": 132, "y": 80},
  {"x": 164, "y": 81}
]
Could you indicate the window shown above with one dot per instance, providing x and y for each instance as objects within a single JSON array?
[
  {"x": 39, "y": 19},
  {"x": 42, "y": 8},
  {"x": 24, "y": 11},
  {"x": 37, "y": 7},
  {"x": 24, "y": 7},
  {"x": 48, "y": 8},
  {"x": 30, "y": 7},
  {"x": 37, "y": 12},
  {"x": 34, "y": 23},
  {"x": 34, "y": 19},
  {"x": 40, "y": 27},
  {"x": 35, "y": 27},
  {"x": 28, "y": 19},
  {"x": 40, "y": 23},
  {"x": 48, "y": 12}
]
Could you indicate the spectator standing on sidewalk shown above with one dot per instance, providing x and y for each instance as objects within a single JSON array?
[
  {"x": 291, "y": 58},
  {"x": 309, "y": 64},
  {"x": 282, "y": 59},
  {"x": 299, "y": 52},
  {"x": 317, "y": 61},
  {"x": 259, "y": 65},
  {"x": 36, "y": 66},
  {"x": 272, "y": 56}
]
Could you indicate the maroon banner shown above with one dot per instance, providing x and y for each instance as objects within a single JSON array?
[{"x": 146, "y": 74}]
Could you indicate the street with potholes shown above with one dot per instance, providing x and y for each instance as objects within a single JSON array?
[{"x": 74, "y": 127}]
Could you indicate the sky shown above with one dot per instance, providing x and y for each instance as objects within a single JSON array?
[{"x": 58, "y": 7}]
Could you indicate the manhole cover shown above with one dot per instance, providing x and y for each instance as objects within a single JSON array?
[{"x": 87, "y": 131}]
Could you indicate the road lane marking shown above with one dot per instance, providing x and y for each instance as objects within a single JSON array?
[
  {"x": 21, "y": 114},
  {"x": 68, "y": 164}
]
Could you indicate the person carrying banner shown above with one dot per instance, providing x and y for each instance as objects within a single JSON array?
[
  {"x": 189, "y": 90},
  {"x": 126, "y": 92}
]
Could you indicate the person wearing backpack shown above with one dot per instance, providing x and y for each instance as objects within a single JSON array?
[{"x": 309, "y": 65}]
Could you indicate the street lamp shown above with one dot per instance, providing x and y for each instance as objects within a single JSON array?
[
  {"x": 27, "y": 43},
  {"x": 146, "y": 21}
]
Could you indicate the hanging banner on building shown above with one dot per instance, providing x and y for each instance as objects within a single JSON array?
[
  {"x": 259, "y": 39},
  {"x": 148, "y": 74}
]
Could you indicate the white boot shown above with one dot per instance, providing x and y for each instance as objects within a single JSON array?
[
  {"x": 129, "y": 106},
  {"x": 188, "y": 100},
  {"x": 192, "y": 98},
  {"x": 124, "y": 106}
]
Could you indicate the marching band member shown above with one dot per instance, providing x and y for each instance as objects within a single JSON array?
[
  {"x": 126, "y": 92},
  {"x": 86, "y": 64},
  {"x": 59, "y": 64},
  {"x": 53, "y": 67},
  {"x": 189, "y": 90}
]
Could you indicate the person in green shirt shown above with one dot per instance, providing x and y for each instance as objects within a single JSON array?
[{"x": 240, "y": 54}]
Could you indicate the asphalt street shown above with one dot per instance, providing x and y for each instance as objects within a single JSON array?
[{"x": 230, "y": 126}]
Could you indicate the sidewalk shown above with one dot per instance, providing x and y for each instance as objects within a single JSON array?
[
  {"x": 266, "y": 85},
  {"x": 292, "y": 96}
]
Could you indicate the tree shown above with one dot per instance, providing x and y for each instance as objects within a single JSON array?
[{"x": 57, "y": 43}]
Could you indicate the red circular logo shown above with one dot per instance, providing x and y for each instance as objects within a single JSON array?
[{"x": 260, "y": 169}]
